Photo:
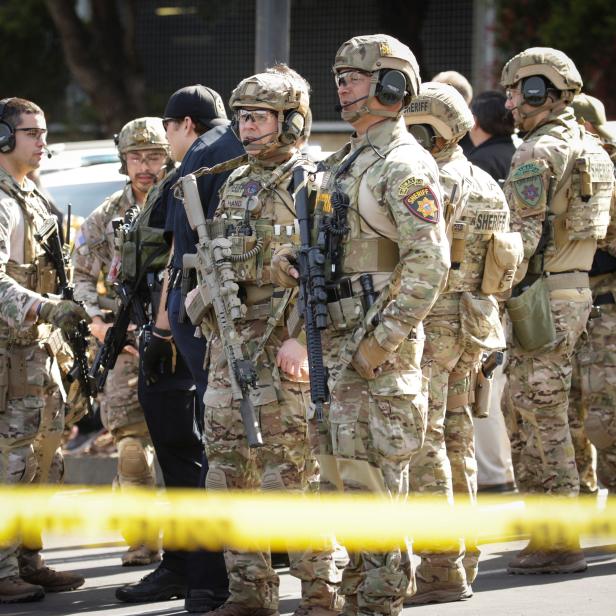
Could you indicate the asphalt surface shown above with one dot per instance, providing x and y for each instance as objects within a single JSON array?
[{"x": 592, "y": 593}]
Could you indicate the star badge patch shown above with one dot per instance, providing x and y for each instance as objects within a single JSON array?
[{"x": 423, "y": 204}]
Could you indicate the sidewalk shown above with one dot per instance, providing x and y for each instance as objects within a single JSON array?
[{"x": 496, "y": 593}]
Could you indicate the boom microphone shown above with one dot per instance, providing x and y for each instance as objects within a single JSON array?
[
  {"x": 340, "y": 107},
  {"x": 249, "y": 140},
  {"x": 47, "y": 151}
]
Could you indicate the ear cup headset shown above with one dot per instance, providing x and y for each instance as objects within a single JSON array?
[
  {"x": 7, "y": 132},
  {"x": 292, "y": 127},
  {"x": 391, "y": 87},
  {"x": 425, "y": 135},
  {"x": 535, "y": 91}
]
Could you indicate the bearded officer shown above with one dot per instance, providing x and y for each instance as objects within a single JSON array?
[
  {"x": 559, "y": 190},
  {"x": 462, "y": 325},
  {"x": 382, "y": 206},
  {"x": 143, "y": 151}
]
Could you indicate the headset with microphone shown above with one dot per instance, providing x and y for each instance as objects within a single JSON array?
[
  {"x": 424, "y": 134},
  {"x": 390, "y": 88},
  {"x": 7, "y": 132},
  {"x": 535, "y": 91}
]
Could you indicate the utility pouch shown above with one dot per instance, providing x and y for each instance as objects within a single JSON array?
[
  {"x": 17, "y": 373},
  {"x": 4, "y": 379},
  {"x": 531, "y": 316},
  {"x": 45, "y": 276},
  {"x": 483, "y": 390},
  {"x": 129, "y": 260},
  {"x": 503, "y": 257},
  {"x": 458, "y": 244}
]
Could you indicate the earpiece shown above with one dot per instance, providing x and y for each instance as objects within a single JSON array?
[
  {"x": 425, "y": 135},
  {"x": 534, "y": 91},
  {"x": 391, "y": 87},
  {"x": 292, "y": 127},
  {"x": 7, "y": 132}
]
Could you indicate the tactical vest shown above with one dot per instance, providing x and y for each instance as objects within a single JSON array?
[
  {"x": 143, "y": 247},
  {"x": 37, "y": 273},
  {"x": 258, "y": 216},
  {"x": 360, "y": 255},
  {"x": 480, "y": 212},
  {"x": 582, "y": 199}
]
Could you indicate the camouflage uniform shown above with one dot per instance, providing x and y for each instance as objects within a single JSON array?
[
  {"x": 121, "y": 412},
  {"x": 540, "y": 380},
  {"x": 31, "y": 407},
  {"x": 463, "y": 323},
  {"x": 258, "y": 195},
  {"x": 596, "y": 361},
  {"x": 592, "y": 418},
  {"x": 396, "y": 236},
  {"x": 559, "y": 188}
]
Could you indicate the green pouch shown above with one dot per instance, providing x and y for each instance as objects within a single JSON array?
[{"x": 531, "y": 316}]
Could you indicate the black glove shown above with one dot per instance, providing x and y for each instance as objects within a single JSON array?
[{"x": 159, "y": 358}]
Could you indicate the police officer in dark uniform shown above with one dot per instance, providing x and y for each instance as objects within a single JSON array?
[{"x": 195, "y": 121}]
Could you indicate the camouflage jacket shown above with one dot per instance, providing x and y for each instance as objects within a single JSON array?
[
  {"x": 95, "y": 247},
  {"x": 394, "y": 197},
  {"x": 546, "y": 180},
  {"x": 22, "y": 211}
]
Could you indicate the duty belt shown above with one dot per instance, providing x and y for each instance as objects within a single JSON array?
[{"x": 567, "y": 280}]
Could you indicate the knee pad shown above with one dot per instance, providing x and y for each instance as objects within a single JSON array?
[
  {"x": 215, "y": 479},
  {"x": 134, "y": 463}
]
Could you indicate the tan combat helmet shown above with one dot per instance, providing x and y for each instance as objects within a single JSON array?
[
  {"x": 546, "y": 62},
  {"x": 590, "y": 109},
  {"x": 372, "y": 54},
  {"x": 140, "y": 134},
  {"x": 282, "y": 90},
  {"x": 443, "y": 108}
]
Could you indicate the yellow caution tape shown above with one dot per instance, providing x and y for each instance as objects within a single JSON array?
[{"x": 198, "y": 519}]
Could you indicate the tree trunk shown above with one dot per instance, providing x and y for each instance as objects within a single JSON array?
[{"x": 102, "y": 58}]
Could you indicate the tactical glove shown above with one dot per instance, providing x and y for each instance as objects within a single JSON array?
[
  {"x": 64, "y": 313},
  {"x": 282, "y": 262},
  {"x": 368, "y": 357},
  {"x": 159, "y": 358}
]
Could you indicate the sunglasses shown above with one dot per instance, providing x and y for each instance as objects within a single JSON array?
[{"x": 258, "y": 116}]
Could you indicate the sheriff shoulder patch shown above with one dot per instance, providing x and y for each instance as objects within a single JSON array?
[
  {"x": 527, "y": 182},
  {"x": 424, "y": 204}
]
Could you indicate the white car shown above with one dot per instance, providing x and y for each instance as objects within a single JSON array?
[{"x": 85, "y": 188}]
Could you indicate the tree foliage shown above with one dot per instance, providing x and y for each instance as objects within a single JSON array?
[
  {"x": 32, "y": 64},
  {"x": 583, "y": 30}
]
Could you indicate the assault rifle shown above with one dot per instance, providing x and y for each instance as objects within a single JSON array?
[
  {"x": 49, "y": 238},
  {"x": 131, "y": 311},
  {"x": 312, "y": 298},
  {"x": 218, "y": 290}
]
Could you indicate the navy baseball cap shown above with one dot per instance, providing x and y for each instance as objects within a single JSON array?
[{"x": 200, "y": 103}]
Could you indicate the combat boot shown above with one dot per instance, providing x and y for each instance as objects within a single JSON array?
[
  {"x": 162, "y": 584},
  {"x": 14, "y": 590},
  {"x": 53, "y": 581},
  {"x": 140, "y": 555},
  {"x": 237, "y": 609},
  {"x": 439, "y": 595},
  {"x": 548, "y": 561},
  {"x": 314, "y": 610}
]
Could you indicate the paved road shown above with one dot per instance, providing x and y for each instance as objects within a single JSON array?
[{"x": 496, "y": 594}]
